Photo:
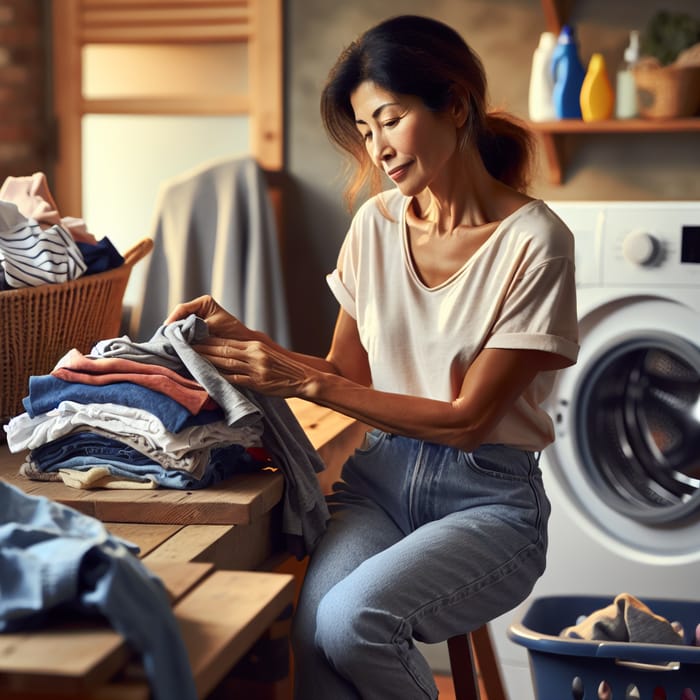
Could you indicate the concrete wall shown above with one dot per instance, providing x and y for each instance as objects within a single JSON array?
[{"x": 504, "y": 33}]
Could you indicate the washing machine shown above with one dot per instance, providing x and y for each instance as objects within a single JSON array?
[{"x": 623, "y": 475}]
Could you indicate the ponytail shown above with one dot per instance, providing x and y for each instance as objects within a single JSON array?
[{"x": 507, "y": 148}]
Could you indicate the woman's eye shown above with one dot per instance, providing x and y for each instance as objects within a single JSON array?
[{"x": 391, "y": 122}]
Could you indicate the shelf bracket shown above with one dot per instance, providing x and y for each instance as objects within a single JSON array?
[
  {"x": 553, "y": 151},
  {"x": 556, "y": 14}
]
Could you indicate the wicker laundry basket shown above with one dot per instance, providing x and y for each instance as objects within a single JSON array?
[{"x": 38, "y": 325}]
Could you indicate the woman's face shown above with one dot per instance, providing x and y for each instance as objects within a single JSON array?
[{"x": 405, "y": 139}]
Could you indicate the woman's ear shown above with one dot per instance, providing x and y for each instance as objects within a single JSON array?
[{"x": 459, "y": 110}]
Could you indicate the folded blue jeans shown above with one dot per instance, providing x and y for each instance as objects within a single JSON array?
[
  {"x": 425, "y": 542},
  {"x": 84, "y": 450}
]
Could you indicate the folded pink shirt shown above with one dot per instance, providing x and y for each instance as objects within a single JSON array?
[{"x": 79, "y": 368}]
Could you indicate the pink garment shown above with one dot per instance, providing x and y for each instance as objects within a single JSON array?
[
  {"x": 33, "y": 198},
  {"x": 78, "y": 368}
]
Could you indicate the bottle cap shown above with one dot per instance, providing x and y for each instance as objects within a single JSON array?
[
  {"x": 632, "y": 51},
  {"x": 566, "y": 35},
  {"x": 547, "y": 40}
]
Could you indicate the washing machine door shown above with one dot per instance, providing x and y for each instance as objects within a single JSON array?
[{"x": 628, "y": 416}]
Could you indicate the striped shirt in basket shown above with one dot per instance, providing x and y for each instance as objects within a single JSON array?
[{"x": 31, "y": 256}]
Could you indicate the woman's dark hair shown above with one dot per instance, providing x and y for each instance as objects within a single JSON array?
[{"x": 423, "y": 57}]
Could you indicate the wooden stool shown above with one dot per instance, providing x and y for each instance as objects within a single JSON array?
[{"x": 472, "y": 660}]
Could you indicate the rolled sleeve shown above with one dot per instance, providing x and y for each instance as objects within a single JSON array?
[{"x": 341, "y": 293}]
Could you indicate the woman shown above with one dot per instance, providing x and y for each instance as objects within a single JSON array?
[{"x": 457, "y": 302}]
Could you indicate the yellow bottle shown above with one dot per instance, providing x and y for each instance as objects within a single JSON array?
[{"x": 597, "y": 97}]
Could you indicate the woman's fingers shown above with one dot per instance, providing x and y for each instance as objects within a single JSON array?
[
  {"x": 254, "y": 364},
  {"x": 201, "y": 306}
]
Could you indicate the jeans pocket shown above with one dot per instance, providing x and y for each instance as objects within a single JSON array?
[
  {"x": 372, "y": 441},
  {"x": 500, "y": 462}
]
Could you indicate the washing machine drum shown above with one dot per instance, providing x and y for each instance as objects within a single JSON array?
[{"x": 638, "y": 428}]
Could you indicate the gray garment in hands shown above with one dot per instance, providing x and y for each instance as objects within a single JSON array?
[{"x": 170, "y": 347}]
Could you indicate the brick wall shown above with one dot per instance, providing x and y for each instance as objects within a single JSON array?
[{"x": 25, "y": 113}]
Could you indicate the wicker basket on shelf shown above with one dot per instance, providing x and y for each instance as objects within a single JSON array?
[
  {"x": 670, "y": 92},
  {"x": 40, "y": 324}
]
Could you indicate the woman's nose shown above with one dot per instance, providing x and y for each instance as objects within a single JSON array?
[{"x": 382, "y": 149}]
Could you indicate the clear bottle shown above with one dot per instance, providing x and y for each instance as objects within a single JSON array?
[
  {"x": 568, "y": 75},
  {"x": 626, "y": 106},
  {"x": 597, "y": 97},
  {"x": 540, "y": 95}
]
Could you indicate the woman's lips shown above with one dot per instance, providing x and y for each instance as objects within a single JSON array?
[{"x": 398, "y": 173}]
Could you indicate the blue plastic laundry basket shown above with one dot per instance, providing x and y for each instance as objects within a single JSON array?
[{"x": 572, "y": 669}]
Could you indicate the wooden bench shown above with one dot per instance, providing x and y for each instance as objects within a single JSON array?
[{"x": 221, "y": 614}]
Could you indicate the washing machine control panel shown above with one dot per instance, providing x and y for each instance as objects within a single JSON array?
[{"x": 635, "y": 243}]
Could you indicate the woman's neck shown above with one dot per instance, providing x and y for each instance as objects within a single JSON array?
[{"x": 465, "y": 196}]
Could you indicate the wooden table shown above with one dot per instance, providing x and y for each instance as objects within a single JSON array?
[
  {"x": 205, "y": 545},
  {"x": 244, "y": 506}
]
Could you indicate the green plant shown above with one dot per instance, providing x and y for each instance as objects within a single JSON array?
[{"x": 669, "y": 33}]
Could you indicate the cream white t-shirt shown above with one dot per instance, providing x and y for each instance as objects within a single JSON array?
[{"x": 516, "y": 291}]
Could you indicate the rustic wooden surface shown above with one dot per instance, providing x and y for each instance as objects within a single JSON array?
[
  {"x": 219, "y": 619},
  {"x": 240, "y": 499}
]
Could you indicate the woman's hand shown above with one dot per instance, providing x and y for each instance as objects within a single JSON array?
[
  {"x": 258, "y": 365},
  {"x": 245, "y": 357},
  {"x": 220, "y": 322}
]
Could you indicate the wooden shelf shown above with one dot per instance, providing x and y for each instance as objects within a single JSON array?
[
  {"x": 617, "y": 126},
  {"x": 552, "y": 134}
]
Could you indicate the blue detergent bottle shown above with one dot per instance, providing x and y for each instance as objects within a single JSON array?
[{"x": 568, "y": 74}]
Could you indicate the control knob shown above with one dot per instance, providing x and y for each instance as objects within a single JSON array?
[{"x": 640, "y": 247}]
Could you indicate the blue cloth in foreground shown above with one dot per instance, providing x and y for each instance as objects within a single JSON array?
[{"x": 52, "y": 555}]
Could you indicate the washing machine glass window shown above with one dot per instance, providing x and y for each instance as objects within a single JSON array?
[{"x": 638, "y": 427}]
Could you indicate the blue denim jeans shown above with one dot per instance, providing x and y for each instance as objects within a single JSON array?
[{"x": 425, "y": 541}]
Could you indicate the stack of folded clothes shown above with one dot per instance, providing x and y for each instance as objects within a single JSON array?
[{"x": 157, "y": 414}]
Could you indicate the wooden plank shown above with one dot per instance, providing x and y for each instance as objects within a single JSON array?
[
  {"x": 117, "y": 4},
  {"x": 239, "y": 500},
  {"x": 247, "y": 547},
  {"x": 266, "y": 88},
  {"x": 320, "y": 424},
  {"x": 123, "y": 691},
  {"x": 60, "y": 659},
  {"x": 225, "y": 616},
  {"x": 144, "y": 15},
  {"x": 146, "y": 537},
  {"x": 160, "y": 34},
  {"x": 179, "y": 578},
  {"x": 222, "y": 546},
  {"x": 223, "y": 105},
  {"x": 66, "y": 92},
  {"x": 617, "y": 126},
  {"x": 188, "y": 544}
]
